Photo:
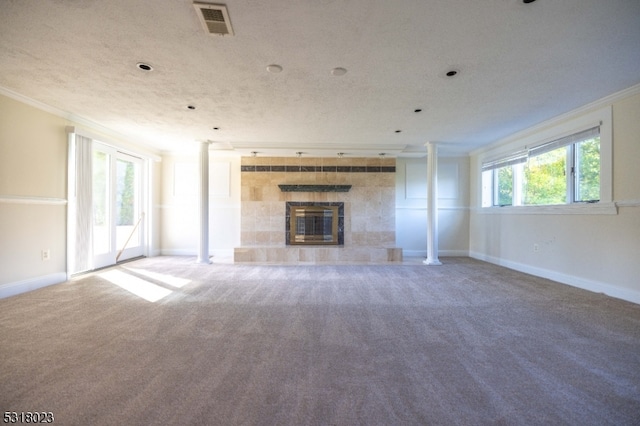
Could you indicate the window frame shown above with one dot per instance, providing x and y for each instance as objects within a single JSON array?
[{"x": 537, "y": 137}]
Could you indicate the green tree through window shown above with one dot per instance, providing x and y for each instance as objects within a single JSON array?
[
  {"x": 587, "y": 170},
  {"x": 562, "y": 171},
  {"x": 126, "y": 193},
  {"x": 545, "y": 180},
  {"x": 505, "y": 186}
]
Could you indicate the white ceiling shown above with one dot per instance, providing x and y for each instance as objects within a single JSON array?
[{"x": 519, "y": 64}]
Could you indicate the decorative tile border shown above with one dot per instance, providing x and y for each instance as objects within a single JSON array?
[
  {"x": 314, "y": 188},
  {"x": 326, "y": 169}
]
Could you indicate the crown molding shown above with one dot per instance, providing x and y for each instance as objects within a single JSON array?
[
  {"x": 592, "y": 106},
  {"x": 82, "y": 122}
]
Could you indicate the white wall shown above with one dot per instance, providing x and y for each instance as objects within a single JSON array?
[
  {"x": 180, "y": 221},
  {"x": 453, "y": 207},
  {"x": 599, "y": 252}
]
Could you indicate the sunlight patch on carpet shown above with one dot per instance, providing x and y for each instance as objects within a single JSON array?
[
  {"x": 163, "y": 278},
  {"x": 141, "y": 288}
]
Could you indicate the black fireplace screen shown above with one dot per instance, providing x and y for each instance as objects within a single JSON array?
[{"x": 318, "y": 223}]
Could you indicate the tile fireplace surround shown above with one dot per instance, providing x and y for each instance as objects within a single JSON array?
[{"x": 369, "y": 208}]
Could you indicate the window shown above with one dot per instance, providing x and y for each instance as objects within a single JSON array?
[
  {"x": 503, "y": 186},
  {"x": 587, "y": 170},
  {"x": 544, "y": 180},
  {"x": 563, "y": 171}
]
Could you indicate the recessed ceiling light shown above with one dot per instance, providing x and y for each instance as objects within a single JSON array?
[
  {"x": 528, "y": 1},
  {"x": 144, "y": 67},
  {"x": 338, "y": 71},
  {"x": 216, "y": 128},
  {"x": 417, "y": 110},
  {"x": 451, "y": 73},
  {"x": 191, "y": 107},
  {"x": 398, "y": 131},
  {"x": 274, "y": 68}
]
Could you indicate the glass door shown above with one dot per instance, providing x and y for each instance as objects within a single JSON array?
[
  {"x": 128, "y": 207},
  {"x": 118, "y": 219}
]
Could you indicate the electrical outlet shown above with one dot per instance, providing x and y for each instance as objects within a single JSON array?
[
  {"x": 536, "y": 247},
  {"x": 46, "y": 254}
]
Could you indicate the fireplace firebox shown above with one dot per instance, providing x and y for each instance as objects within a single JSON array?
[{"x": 315, "y": 223}]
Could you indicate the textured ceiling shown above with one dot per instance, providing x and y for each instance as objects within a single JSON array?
[{"x": 519, "y": 64}]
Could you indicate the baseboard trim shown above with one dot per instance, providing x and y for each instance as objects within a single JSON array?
[
  {"x": 453, "y": 253},
  {"x": 19, "y": 287},
  {"x": 583, "y": 283},
  {"x": 193, "y": 252},
  {"x": 441, "y": 253}
]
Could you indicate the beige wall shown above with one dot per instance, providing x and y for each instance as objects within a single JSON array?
[
  {"x": 626, "y": 149},
  {"x": 599, "y": 252},
  {"x": 33, "y": 195},
  {"x": 33, "y": 164},
  {"x": 369, "y": 205}
]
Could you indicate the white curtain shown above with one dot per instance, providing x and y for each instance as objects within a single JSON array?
[{"x": 82, "y": 255}]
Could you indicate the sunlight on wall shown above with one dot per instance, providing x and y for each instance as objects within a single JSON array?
[{"x": 141, "y": 288}]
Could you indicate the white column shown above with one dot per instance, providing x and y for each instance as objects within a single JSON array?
[
  {"x": 203, "y": 249},
  {"x": 432, "y": 205}
]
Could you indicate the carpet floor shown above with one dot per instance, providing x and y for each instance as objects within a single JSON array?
[{"x": 167, "y": 341}]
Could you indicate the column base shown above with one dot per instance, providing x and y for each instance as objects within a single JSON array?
[{"x": 434, "y": 262}]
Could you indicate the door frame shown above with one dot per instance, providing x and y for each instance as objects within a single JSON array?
[{"x": 108, "y": 258}]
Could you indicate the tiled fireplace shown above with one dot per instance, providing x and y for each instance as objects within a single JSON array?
[{"x": 361, "y": 189}]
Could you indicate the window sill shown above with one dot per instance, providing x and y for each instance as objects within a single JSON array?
[{"x": 566, "y": 209}]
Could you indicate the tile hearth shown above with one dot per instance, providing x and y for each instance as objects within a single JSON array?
[{"x": 311, "y": 255}]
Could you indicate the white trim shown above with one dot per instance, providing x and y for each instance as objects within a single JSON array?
[
  {"x": 569, "y": 209},
  {"x": 414, "y": 253},
  {"x": 134, "y": 150},
  {"x": 628, "y": 203},
  {"x": 179, "y": 252},
  {"x": 19, "y": 287},
  {"x": 441, "y": 253},
  {"x": 194, "y": 252},
  {"x": 557, "y": 120},
  {"x": 18, "y": 199},
  {"x": 453, "y": 208},
  {"x": 603, "y": 116},
  {"x": 583, "y": 283},
  {"x": 71, "y": 117},
  {"x": 454, "y": 253},
  {"x": 191, "y": 203},
  {"x": 32, "y": 102}
]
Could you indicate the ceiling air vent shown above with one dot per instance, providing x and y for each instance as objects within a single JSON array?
[{"x": 214, "y": 18}]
